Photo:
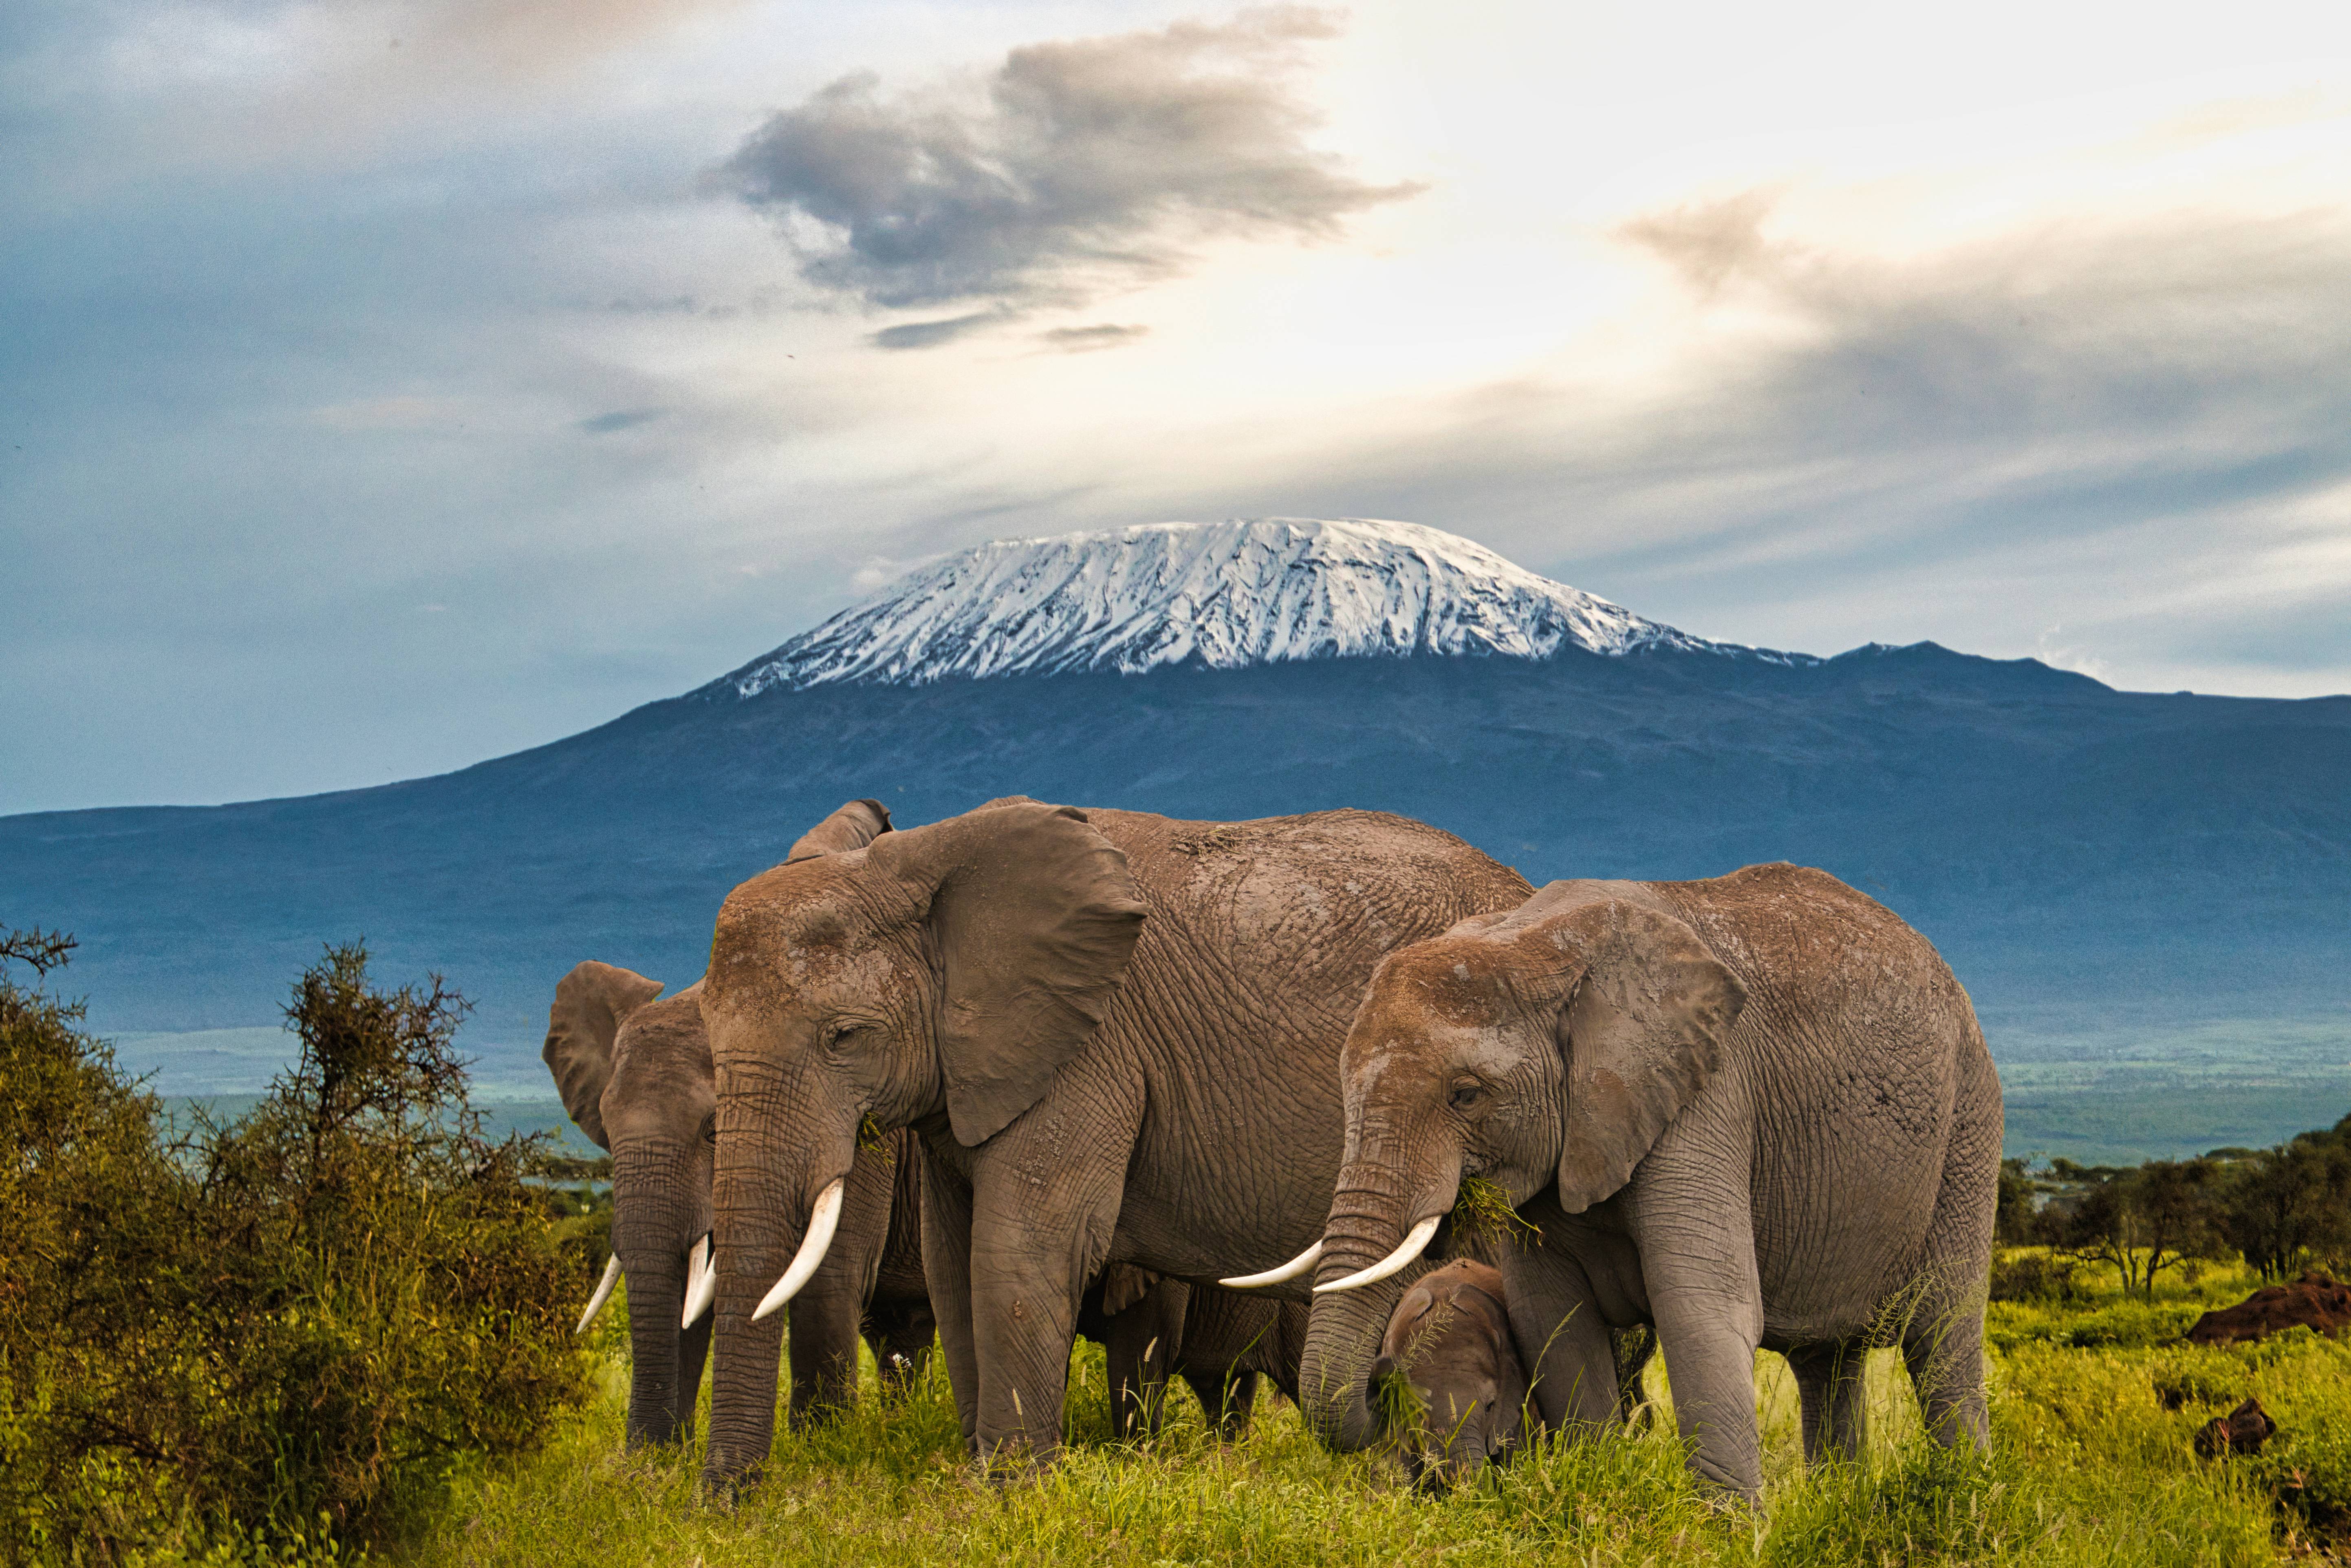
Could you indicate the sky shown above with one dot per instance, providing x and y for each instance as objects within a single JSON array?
[{"x": 396, "y": 383}]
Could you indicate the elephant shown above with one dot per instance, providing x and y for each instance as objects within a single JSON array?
[
  {"x": 1117, "y": 1034},
  {"x": 634, "y": 1073},
  {"x": 1451, "y": 1392},
  {"x": 1219, "y": 1342},
  {"x": 1753, "y": 1111}
]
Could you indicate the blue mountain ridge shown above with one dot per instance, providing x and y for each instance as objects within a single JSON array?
[{"x": 2089, "y": 859}]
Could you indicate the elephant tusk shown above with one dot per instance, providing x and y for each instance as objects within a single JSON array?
[
  {"x": 700, "y": 1281},
  {"x": 1409, "y": 1249},
  {"x": 1289, "y": 1270},
  {"x": 604, "y": 1293},
  {"x": 823, "y": 1221}
]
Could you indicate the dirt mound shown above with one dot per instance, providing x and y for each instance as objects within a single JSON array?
[{"x": 2314, "y": 1300}]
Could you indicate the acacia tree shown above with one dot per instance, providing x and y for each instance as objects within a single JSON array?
[
  {"x": 2291, "y": 1206},
  {"x": 2145, "y": 1220}
]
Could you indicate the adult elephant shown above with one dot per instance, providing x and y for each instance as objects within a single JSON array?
[
  {"x": 1118, "y": 1035},
  {"x": 636, "y": 1076},
  {"x": 1754, "y": 1111}
]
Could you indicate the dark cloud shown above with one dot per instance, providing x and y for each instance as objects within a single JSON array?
[
  {"x": 1090, "y": 164},
  {"x": 931, "y": 334},
  {"x": 1086, "y": 339}
]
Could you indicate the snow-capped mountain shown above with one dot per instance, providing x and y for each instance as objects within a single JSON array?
[{"x": 1248, "y": 592}]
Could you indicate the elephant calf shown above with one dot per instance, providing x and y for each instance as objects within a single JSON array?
[{"x": 1450, "y": 1376}]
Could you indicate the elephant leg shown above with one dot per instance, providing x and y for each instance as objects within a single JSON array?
[
  {"x": 1555, "y": 1321},
  {"x": 1832, "y": 1388},
  {"x": 1226, "y": 1398},
  {"x": 947, "y": 1264},
  {"x": 1942, "y": 1339},
  {"x": 1708, "y": 1336},
  {"x": 1943, "y": 1348},
  {"x": 1139, "y": 1344},
  {"x": 1037, "y": 1240},
  {"x": 900, "y": 1335},
  {"x": 1229, "y": 1340}
]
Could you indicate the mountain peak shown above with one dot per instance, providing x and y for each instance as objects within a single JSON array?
[{"x": 1226, "y": 595}]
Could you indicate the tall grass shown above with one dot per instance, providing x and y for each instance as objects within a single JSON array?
[{"x": 2091, "y": 1467}]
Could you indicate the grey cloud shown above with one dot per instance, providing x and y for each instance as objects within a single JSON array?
[
  {"x": 1091, "y": 165},
  {"x": 2132, "y": 430},
  {"x": 931, "y": 334},
  {"x": 621, "y": 419},
  {"x": 1087, "y": 340}
]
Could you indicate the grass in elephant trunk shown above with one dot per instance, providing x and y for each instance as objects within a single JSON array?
[{"x": 2093, "y": 1469}]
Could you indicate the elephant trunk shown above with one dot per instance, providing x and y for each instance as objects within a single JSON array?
[
  {"x": 764, "y": 1205},
  {"x": 1374, "y": 1208},
  {"x": 660, "y": 1407},
  {"x": 654, "y": 1215}
]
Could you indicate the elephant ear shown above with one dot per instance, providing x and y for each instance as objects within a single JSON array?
[
  {"x": 1034, "y": 917},
  {"x": 590, "y": 1004},
  {"x": 853, "y": 827},
  {"x": 1641, "y": 1029}
]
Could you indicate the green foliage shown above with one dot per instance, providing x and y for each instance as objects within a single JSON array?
[
  {"x": 1483, "y": 1216},
  {"x": 2290, "y": 1206},
  {"x": 270, "y": 1336}
]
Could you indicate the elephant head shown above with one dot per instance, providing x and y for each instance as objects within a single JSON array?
[
  {"x": 950, "y": 968},
  {"x": 635, "y": 1074},
  {"x": 1547, "y": 1046},
  {"x": 1450, "y": 1375}
]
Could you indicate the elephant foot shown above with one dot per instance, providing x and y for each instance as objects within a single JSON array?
[
  {"x": 1011, "y": 1460},
  {"x": 725, "y": 1490}
]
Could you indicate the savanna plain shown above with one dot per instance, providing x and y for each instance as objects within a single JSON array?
[{"x": 2096, "y": 1404}]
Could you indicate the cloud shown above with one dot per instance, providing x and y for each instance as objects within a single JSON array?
[
  {"x": 620, "y": 419},
  {"x": 931, "y": 334},
  {"x": 2141, "y": 429},
  {"x": 1087, "y": 340},
  {"x": 1707, "y": 242},
  {"x": 1088, "y": 165}
]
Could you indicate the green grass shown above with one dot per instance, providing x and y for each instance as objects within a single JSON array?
[{"x": 2089, "y": 1468}]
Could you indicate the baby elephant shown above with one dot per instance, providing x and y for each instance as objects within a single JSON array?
[{"x": 1450, "y": 1375}]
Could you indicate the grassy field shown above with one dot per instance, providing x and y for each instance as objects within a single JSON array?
[{"x": 2091, "y": 1467}]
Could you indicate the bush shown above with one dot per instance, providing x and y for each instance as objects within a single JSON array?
[{"x": 294, "y": 1325}]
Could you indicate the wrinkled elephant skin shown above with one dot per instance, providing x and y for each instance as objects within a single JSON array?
[
  {"x": 635, "y": 1075},
  {"x": 1754, "y": 1111},
  {"x": 1118, "y": 1035}
]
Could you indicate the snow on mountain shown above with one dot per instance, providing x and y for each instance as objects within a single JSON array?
[{"x": 1226, "y": 595}]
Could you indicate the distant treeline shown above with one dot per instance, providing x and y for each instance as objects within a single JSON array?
[
  {"x": 277, "y": 1333},
  {"x": 2282, "y": 1210}
]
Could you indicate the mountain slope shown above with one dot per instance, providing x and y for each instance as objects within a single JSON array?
[
  {"x": 2087, "y": 858},
  {"x": 1222, "y": 595}
]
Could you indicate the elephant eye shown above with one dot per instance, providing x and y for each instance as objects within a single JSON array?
[
  {"x": 1467, "y": 1092},
  {"x": 710, "y": 1130}
]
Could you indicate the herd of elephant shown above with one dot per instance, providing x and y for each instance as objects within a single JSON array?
[{"x": 1209, "y": 1092}]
